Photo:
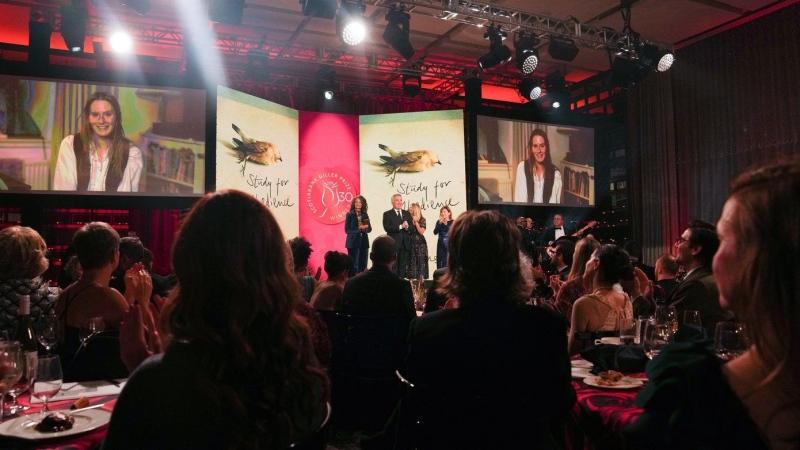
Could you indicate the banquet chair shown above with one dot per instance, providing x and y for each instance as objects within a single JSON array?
[
  {"x": 98, "y": 358},
  {"x": 318, "y": 440}
]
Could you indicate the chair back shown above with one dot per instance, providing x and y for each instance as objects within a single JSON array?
[
  {"x": 318, "y": 440},
  {"x": 371, "y": 346},
  {"x": 98, "y": 358}
]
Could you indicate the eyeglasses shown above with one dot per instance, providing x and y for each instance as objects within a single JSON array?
[{"x": 680, "y": 241}]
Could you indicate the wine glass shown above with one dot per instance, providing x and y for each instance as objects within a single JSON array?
[
  {"x": 729, "y": 340},
  {"x": 47, "y": 334},
  {"x": 656, "y": 337},
  {"x": 28, "y": 364},
  {"x": 10, "y": 357},
  {"x": 91, "y": 326},
  {"x": 47, "y": 380},
  {"x": 692, "y": 317},
  {"x": 667, "y": 315}
]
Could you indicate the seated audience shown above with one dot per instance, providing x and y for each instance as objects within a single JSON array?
[
  {"x": 328, "y": 294},
  {"x": 634, "y": 249},
  {"x": 569, "y": 292},
  {"x": 22, "y": 262},
  {"x": 491, "y": 347},
  {"x": 599, "y": 311},
  {"x": 301, "y": 252},
  {"x": 434, "y": 299},
  {"x": 238, "y": 370},
  {"x": 666, "y": 273},
  {"x": 695, "y": 400}
]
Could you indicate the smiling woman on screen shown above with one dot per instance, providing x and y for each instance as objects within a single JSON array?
[{"x": 538, "y": 180}]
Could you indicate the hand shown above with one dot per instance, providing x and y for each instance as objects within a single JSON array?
[
  {"x": 138, "y": 285},
  {"x": 451, "y": 303},
  {"x": 318, "y": 274},
  {"x": 139, "y": 338},
  {"x": 405, "y": 224},
  {"x": 538, "y": 273},
  {"x": 555, "y": 284}
]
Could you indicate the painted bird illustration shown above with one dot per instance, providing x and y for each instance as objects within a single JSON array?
[
  {"x": 415, "y": 161},
  {"x": 259, "y": 152}
]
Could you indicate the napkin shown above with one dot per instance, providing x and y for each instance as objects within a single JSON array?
[
  {"x": 691, "y": 333},
  {"x": 75, "y": 390},
  {"x": 622, "y": 358}
]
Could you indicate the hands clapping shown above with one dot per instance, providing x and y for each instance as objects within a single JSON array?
[
  {"x": 138, "y": 285},
  {"x": 138, "y": 332}
]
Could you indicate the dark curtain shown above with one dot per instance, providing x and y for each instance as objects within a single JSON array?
[
  {"x": 730, "y": 103},
  {"x": 157, "y": 230}
]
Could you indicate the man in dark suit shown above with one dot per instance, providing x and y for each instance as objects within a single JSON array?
[
  {"x": 395, "y": 223},
  {"x": 698, "y": 291},
  {"x": 556, "y": 231},
  {"x": 666, "y": 271},
  {"x": 635, "y": 252},
  {"x": 378, "y": 291}
]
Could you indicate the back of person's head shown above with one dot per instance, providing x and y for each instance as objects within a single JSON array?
[
  {"x": 132, "y": 248},
  {"x": 584, "y": 250},
  {"x": 301, "y": 252},
  {"x": 22, "y": 253},
  {"x": 383, "y": 251},
  {"x": 565, "y": 248},
  {"x": 704, "y": 235},
  {"x": 235, "y": 301},
  {"x": 668, "y": 264},
  {"x": 483, "y": 258},
  {"x": 95, "y": 244},
  {"x": 615, "y": 264},
  {"x": 336, "y": 263},
  {"x": 633, "y": 248},
  {"x": 766, "y": 292}
]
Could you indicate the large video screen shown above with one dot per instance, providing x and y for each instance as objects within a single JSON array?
[
  {"x": 67, "y": 137},
  {"x": 533, "y": 163}
]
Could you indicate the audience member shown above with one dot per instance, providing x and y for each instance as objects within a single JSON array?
[
  {"x": 378, "y": 291},
  {"x": 131, "y": 251},
  {"x": 569, "y": 292},
  {"x": 666, "y": 271},
  {"x": 434, "y": 299},
  {"x": 635, "y": 250},
  {"x": 600, "y": 310},
  {"x": 237, "y": 371},
  {"x": 301, "y": 252},
  {"x": 698, "y": 290},
  {"x": 694, "y": 399},
  {"x": 328, "y": 295},
  {"x": 22, "y": 262},
  {"x": 561, "y": 258}
]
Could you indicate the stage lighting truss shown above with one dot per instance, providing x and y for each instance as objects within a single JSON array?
[
  {"x": 397, "y": 31},
  {"x": 498, "y": 53},
  {"x": 527, "y": 53},
  {"x": 350, "y": 24},
  {"x": 530, "y": 89}
]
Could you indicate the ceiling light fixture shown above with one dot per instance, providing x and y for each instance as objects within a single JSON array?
[
  {"x": 498, "y": 53},
  {"x": 397, "y": 32},
  {"x": 121, "y": 42},
  {"x": 633, "y": 59},
  {"x": 562, "y": 48},
  {"x": 39, "y": 30},
  {"x": 325, "y": 81},
  {"x": 529, "y": 89},
  {"x": 74, "y": 19},
  {"x": 527, "y": 54},
  {"x": 350, "y": 24},
  {"x": 325, "y": 9},
  {"x": 656, "y": 58}
]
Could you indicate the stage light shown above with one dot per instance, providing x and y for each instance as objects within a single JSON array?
[
  {"x": 121, "y": 42},
  {"x": 498, "y": 53},
  {"x": 557, "y": 93},
  {"x": 350, "y": 24},
  {"x": 39, "y": 32},
  {"x": 326, "y": 81},
  {"x": 325, "y": 9},
  {"x": 396, "y": 32},
  {"x": 527, "y": 54},
  {"x": 328, "y": 94},
  {"x": 562, "y": 48},
  {"x": 140, "y": 7},
  {"x": 74, "y": 18},
  {"x": 656, "y": 58},
  {"x": 529, "y": 89}
]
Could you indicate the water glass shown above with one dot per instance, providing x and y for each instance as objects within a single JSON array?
[
  {"x": 91, "y": 326},
  {"x": 11, "y": 357},
  {"x": 657, "y": 336},
  {"x": 47, "y": 380},
  {"x": 47, "y": 334},
  {"x": 692, "y": 317},
  {"x": 641, "y": 322},
  {"x": 627, "y": 329},
  {"x": 729, "y": 340}
]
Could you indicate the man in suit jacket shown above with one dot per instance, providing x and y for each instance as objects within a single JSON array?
[
  {"x": 556, "y": 231},
  {"x": 395, "y": 223},
  {"x": 378, "y": 291},
  {"x": 698, "y": 291}
]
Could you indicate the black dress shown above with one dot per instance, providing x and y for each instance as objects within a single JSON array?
[
  {"x": 418, "y": 254},
  {"x": 441, "y": 245}
]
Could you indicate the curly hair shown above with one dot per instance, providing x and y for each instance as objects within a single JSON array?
[
  {"x": 363, "y": 203},
  {"x": 240, "y": 314},
  {"x": 484, "y": 257},
  {"x": 22, "y": 253},
  {"x": 301, "y": 251}
]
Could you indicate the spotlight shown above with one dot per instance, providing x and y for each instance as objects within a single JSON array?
[
  {"x": 562, "y": 48},
  {"x": 626, "y": 71},
  {"x": 557, "y": 92},
  {"x": 350, "y": 24},
  {"x": 74, "y": 18},
  {"x": 656, "y": 58},
  {"x": 39, "y": 32},
  {"x": 527, "y": 54},
  {"x": 328, "y": 94},
  {"x": 396, "y": 33},
  {"x": 121, "y": 42},
  {"x": 498, "y": 53},
  {"x": 140, "y": 7},
  {"x": 325, "y": 9},
  {"x": 325, "y": 81},
  {"x": 529, "y": 89}
]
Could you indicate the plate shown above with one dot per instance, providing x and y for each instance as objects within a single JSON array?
[
  {"x": 581, "y": 363},
  {"x": 23, "y": 427},
  {"x": 580, "y": 372},
  {"x": 624, "y": 383},
  {"x": 610, "y": 340}
]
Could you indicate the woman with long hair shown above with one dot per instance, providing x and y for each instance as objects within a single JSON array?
[
  {"x": 754, "y": 399},
  {"x": 357, "y": 228},
  {"x": 99, "y": 157},
  {"x": 568, "y": 292},
  {"x": 328, "y": 295},
  {"x": 442, "y": 227},
  {"x": 418, "y": 250},
  {"x": 600, "y": 311},
  {"x": 538, "y": 179},
  {"x": 238, "y": 370}
]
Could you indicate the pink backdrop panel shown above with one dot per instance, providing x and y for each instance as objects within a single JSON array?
[{"x": 329, "y": 179}]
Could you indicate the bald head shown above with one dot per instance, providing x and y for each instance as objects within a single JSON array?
[{"x": 384, "y": 251}]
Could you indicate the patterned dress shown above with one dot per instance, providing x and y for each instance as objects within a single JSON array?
[{"x": 418, "y": 254}]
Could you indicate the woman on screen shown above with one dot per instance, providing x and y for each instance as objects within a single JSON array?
[
  {"x": 99, "y": 157},
  {"x": 538, "y": 180}
]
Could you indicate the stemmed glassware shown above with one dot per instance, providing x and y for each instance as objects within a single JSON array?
[
  {"x": 418, "y": 291},
  {"x": 11, "y": 357},
  {"x": 47, "y": 335},
  {"x": 730, "y": 340},
  {"x": 91, "y": 326},
  {"x": 47, "y": 380},
  {"x": 667, "y": 315},
  {"x": 656, "y": 336}
]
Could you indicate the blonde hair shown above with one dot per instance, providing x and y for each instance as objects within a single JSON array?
[
  {"x": 415, "y": 207},
  {"x": 583, "y": 253},
  {"x": 22, "y": 253}
]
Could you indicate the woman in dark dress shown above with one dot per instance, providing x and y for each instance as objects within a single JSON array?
[
  {"x": 441, "y": 229},
  {"x": 418, "y": 254},
  {"x": 357, "y": 227}
]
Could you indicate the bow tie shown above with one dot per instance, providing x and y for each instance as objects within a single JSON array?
[{"x": 558, "y": 228}]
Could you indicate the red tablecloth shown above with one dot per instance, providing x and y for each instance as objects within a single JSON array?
[{"x": 84, "y": 441}]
